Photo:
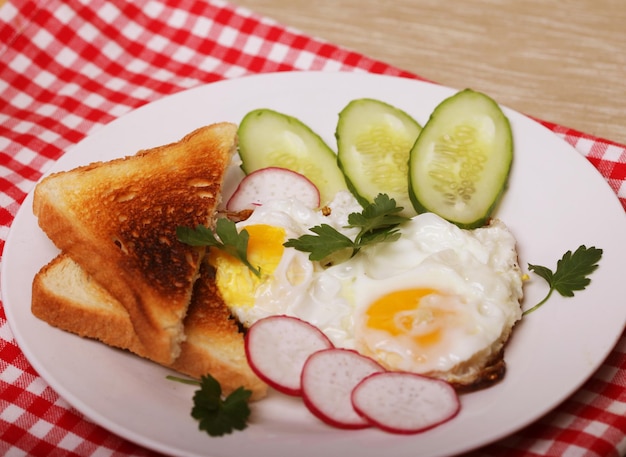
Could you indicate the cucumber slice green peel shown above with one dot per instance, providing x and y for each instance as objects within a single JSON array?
[
  {"x": 460, "y": 164},
  {"x": 374, "y": 139},
  {"x": 268, "y": 138}
]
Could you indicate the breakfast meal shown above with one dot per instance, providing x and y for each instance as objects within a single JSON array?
[{"x": 382, "y": 260}]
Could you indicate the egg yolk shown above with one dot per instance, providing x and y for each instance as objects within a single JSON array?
[
  {"x": 409, "y": 312},
  {"x": 236, "y": 283}
]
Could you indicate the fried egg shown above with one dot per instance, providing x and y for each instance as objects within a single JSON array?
[{"x": 440, "y": 300}]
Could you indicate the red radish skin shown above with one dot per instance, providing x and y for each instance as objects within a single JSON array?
[
  {"x": 277, "y": 348},
  {"x": 328, "y": 378},
  {"x": 273, "y": 183},
  {"x": 405, "y": 403}
]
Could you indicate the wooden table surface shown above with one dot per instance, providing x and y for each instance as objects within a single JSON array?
[{"x": 560, "y": 61}]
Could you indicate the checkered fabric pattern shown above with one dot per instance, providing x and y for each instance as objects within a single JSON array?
[{"x": 69, "y": 67}]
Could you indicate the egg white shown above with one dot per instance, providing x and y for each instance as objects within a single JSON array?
[
  {"x": 298, "y": 286},
  {"x": 474, "y": 282}
]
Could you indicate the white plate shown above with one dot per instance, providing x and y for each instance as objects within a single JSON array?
[{"x": 556, "y": 201}]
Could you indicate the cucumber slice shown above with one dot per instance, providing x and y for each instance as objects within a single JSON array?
[
  {"x": 373, "y": 144},
  {"x": 460, "y": 163},
  {"x": 268, "y": 138}
]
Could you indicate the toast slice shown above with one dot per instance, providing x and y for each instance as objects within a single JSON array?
[
  {"x": 66, "y": 297},
  {"x": 118, "y": 221}
]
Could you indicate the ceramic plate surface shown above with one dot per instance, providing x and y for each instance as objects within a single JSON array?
[{"x": 556, "y": 201}]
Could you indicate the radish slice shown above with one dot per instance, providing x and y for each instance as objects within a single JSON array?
[
  {"x": 328, "y": 378},
  {"x": 400, "y": 402},
  {"x": 277, "y": 348},
  {"x": 273, "y": 183}
]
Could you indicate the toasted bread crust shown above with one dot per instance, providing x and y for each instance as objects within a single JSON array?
[
  {"x": 118, "y": 221},
  {"x": 66, "y": 297},
  {"x": 209, "y": 326}
]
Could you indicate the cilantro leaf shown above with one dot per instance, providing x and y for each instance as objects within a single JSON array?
[
  {"x": 219, "y": 416},
  {"x": 377, "y": 220},
  {"x": 572, "y": 270},
  {"x": 201, "y": 236},
  {"x": 332, "y": 239},
  {"x": 379, "y": 236},
  {"x": 543, "y": 272},
  {"x": 377, "y": 223},
  {"x": 230, "y": 240},
  {"x": 571, "y": 275},
  {"x": 216, "y": 415},
  {"x": 379, "y": 214}
]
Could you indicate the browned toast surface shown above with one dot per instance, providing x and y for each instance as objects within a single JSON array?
[
  {"x": 210, "y": 328},
  {"x": 118, "y": 221},
  {"x": 66, "y": 297}
]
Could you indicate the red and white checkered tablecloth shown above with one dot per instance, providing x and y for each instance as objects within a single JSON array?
[{"x": 69, "y": 67}]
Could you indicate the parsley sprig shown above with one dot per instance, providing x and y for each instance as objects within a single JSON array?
[
  {"x": 230, "y": 240},
  {"x": 571, "y": 273},
  {"x": 377, "y": 223},
  {"x": 215, "y": 414}
]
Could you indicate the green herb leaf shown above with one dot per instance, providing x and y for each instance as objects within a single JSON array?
[
  {"x": 377, "y": 223},
  {"x": 219, "y": 416},
  {"x": 216, "y": 415},
  {"x": 230, "y": 241},
  {"x": 377, "y": 215},
  {"x": 325, "y": 241},
  {"x": 379, "y": 236},
  {"x": 571, "y": 275},
  {"x": 573, "y": 270},
  {"x": 201, "y": 236}
]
